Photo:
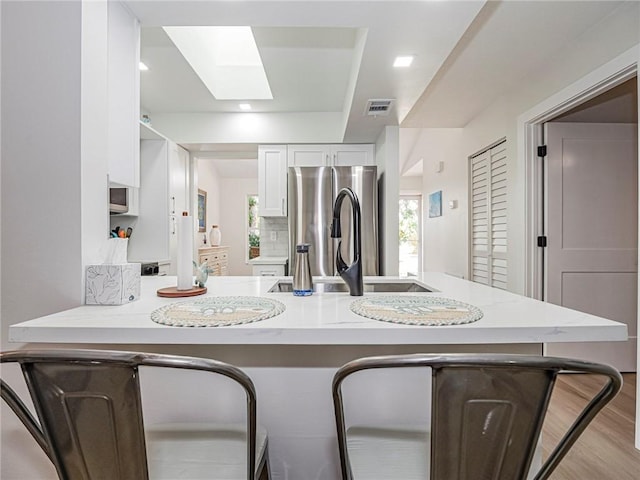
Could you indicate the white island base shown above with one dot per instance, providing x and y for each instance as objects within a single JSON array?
[{"x": 292, "y": 357}]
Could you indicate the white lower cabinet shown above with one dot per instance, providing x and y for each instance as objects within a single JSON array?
[
  {"x": 163, "y": 268},
  {"x": 269, "y": 266},
  {"x": 217, "y": 258},
  {"x": 268, "y": 270}
]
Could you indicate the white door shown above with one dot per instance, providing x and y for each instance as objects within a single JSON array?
[
  {"x": 592, "y": 224},
  {"x": 488, "y": 229}
]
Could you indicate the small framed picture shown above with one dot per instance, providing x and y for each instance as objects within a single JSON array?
[
  {"x": 202, "y": 211},
  {"x": 435, "y": 204}
]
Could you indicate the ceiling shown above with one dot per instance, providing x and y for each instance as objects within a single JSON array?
[{"x": 325, "y": 59}]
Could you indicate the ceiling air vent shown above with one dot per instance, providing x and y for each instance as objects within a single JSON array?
[{"x": 378, "y": 107}]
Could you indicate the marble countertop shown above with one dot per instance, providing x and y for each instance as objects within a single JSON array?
[{"x": 322, "y": 319}]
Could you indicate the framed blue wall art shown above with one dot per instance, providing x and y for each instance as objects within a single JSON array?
[
  {"x": 435, "y": 204},
  {"x": 202, "y": 211}
]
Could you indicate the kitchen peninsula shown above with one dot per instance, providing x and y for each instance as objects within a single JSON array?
[
  {"x": 291, "y": 357},
  {"x": 323, "y": 319}
]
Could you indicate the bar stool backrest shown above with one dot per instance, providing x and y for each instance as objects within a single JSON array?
[
  {"x": 487, "y": 411},
  {"x": 89, "y": 408}
]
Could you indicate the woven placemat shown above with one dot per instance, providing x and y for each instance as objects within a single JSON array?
[
  {"x": 217, "y": 311},
  {"x": 416, "y": 310}
]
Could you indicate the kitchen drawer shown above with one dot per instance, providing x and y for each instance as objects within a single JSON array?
[
  {"x": 268, "y": 270},
  {"x": 163, "y": 269},
  {"x": 216, "y": 258}
]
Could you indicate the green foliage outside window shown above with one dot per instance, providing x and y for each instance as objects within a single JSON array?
[
  {"x": 408, "y": 221},
  {"x": 253, "y": 226}
]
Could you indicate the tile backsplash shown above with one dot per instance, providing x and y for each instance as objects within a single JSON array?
[{"x": 274, "y": 237}]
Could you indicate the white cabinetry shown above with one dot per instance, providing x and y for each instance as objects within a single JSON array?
[
  {"x": 273, "y": 161},
  {"x": 272, "y": 180},
  {"x": 352, "y": 155},
  {"x": 269, "y": 266},
  {"x": 217, "y": 258},
  {"x": 268, "y": 270},
  {"x": 338, "y": 155},
  {"x": 123, "y": 41},
  {"x": 308, "y": 155},
  {"x": 163, "y": 195},
  {"x": 178, "y": 197}
]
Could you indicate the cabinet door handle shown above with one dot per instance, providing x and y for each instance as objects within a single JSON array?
[
  {"x": 173, "y": 205},
  {"x": 335, "y": 157},
  {"x": 328, "y": 161},
  {"x": 173, "y": 225},
  {"x": 282, "y": 208}
]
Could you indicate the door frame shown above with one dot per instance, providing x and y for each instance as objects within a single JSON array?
[
  {"x": 529, "y": 133},
  {"x": 529, "y": 136}
]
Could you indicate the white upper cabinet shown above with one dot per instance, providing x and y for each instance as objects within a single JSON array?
[
  {"x": 337, "y": 155},
  {"x": 352, "y": 155},
  {"x": 123, "y": 96},
  {"x": 308, "y": 155},
  {"x": 272, "y": 180},
  {"x": 178, "y": 179}
]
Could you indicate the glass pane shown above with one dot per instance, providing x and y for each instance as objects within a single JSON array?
[
  {"x": 410, "y": 235},
  {"x": 253, "y": 227}
]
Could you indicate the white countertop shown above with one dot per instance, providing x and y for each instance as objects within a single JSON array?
[{"x": 322, "y": 319}]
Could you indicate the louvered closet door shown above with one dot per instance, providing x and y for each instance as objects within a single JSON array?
[{"x": 489, "y": 217}]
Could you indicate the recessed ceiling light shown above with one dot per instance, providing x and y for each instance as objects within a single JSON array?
[
  {"x": 143, "y": 67},
  {"x": 245, "y": 106},
  {"x": 403, "y": 61},
  {"x": 226, "y": 59}
]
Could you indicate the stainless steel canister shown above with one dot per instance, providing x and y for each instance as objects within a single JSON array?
[{"x": 302, "y": 281}]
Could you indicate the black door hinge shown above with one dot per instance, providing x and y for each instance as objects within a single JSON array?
[
  {"x": 542, "y": 241},
  {"x": 542, "y": 151}
]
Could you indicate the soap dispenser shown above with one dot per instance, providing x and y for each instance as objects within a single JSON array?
[{"x": 302, "y": 281}]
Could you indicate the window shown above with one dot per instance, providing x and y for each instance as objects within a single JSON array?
[
  {"x": 488, "y": 229},
  {"x": 410, "y": 234},
  {"x": 253, "y": 227}
]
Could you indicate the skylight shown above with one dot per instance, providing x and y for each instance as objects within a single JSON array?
[
  {"x": 226, "y": 59},
  {"x": 403, "y": 61}
]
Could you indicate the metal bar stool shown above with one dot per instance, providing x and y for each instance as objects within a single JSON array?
[
  {"x": 487, "y": 412},
  {"x": 90, "y": 419}
]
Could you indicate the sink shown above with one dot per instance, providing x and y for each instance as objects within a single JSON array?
[{"x": 337, "y": 285}]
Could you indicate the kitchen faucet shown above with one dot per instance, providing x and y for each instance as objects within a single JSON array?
[{"x": 352, "y": 274}]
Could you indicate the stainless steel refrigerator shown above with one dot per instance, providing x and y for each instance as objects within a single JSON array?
[{"x": 312, "y": 192}]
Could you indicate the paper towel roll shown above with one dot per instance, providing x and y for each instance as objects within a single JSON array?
[{"x": 185, "y": 252}]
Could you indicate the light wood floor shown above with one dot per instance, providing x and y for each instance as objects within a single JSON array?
[{"x": 605, "y": 451}]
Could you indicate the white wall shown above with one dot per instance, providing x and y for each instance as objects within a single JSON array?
[
  {"x": 304, "y": 127},
  {"x": 54, "y": 185},
  {"x": 610, "y": 38},
  {"x": 444, "y": 237},
  {"x": 387, "y": 160},
  {"x": 226, "y": 207},
  {"x": 233, "y": 216},
  {"x": 410, "y": 185},
  {"x": 209, "y": 181}
]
